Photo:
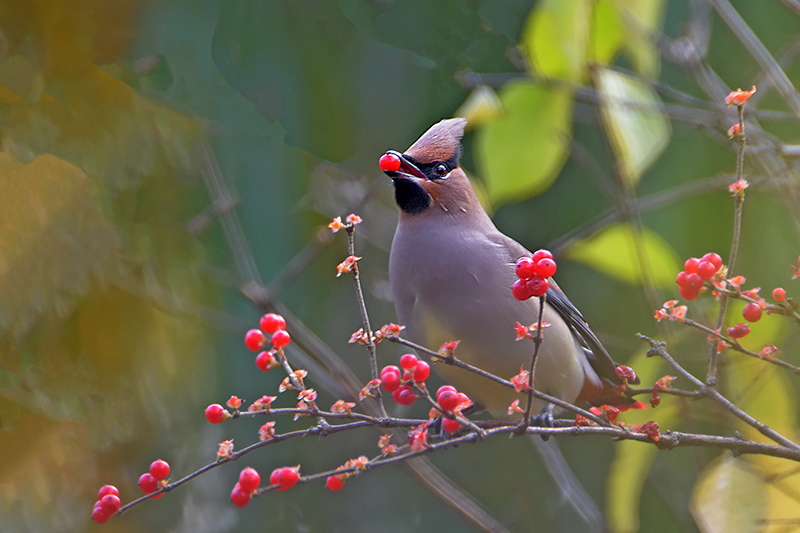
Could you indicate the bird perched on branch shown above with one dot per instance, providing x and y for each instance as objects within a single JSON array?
[{"x": 451, "y": 272}]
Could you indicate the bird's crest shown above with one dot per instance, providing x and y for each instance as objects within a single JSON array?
[{"x": 442, "y": 142}]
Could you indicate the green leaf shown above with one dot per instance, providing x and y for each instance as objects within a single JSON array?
[
  {"x": 729, "y": 496},
  {"x": 556, "y": 37},
  {"x": 632, "y": 115},
  {"x": 613, "y": 251},
  {"x": 521, "y": 152}
]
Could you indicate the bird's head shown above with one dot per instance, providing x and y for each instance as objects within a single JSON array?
[{"x": 427, "y": 175}]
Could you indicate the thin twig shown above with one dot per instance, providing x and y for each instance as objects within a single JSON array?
[
  {"x": 362, "y": 307},
  {"x": 711, "y": 376},
  {"x": 657, "y": 348}
]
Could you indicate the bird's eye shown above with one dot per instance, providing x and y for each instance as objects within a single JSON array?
[{"x": 440, "y": 170}]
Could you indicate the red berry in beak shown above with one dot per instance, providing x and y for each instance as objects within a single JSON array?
[{"x": 389, "y": 163}]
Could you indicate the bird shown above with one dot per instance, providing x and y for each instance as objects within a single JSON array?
[{"x": 451, "y": 272}]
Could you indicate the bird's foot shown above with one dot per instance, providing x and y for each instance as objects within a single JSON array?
[{"x": 544, "y": 419}]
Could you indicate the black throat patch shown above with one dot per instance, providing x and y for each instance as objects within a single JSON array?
[{"x": 410, "y": 196}]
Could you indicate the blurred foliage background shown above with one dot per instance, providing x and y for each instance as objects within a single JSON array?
[{"x": 160, "y": 160}]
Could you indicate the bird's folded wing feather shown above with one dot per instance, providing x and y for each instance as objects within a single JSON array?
[{"x": 601, "y": 362}]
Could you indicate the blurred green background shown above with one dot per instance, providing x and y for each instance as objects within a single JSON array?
[{"x": 161, "y": 159}]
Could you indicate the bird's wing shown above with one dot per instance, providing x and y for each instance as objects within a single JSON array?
[
  {"x": 601, "y": 360},
  {"x": 598, "y": 356}
]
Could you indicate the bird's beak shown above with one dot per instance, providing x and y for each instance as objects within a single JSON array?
[{"x": 396, "y": 166}]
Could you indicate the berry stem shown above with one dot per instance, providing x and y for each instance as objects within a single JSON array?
[
  {"x": 537, "y": 342},
  {"x": 362, "y": 306},
  {"x": 711, "y": 375}
]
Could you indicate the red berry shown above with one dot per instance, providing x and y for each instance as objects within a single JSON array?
[
  {"x": 520, "y": 290},
  {"x": 255, "y": 339},
  {"x": 280, "y": 339},
  {"x": 249, "y": 479},
  {"x": 404, "y": 395},
  {"x": 272, "y": 322},
  {"x": 110, "y": 503},
  {"x": 390, "y": 381},
  {"x": 285, "y": 477},
  {"x": 463, "y": 401},
  {"x": 215, "y": 413},
  {"x": 546, "y": 268},
  {"x": 537, "y": 286},
  {"x": 390, "y": 368},
  {"x": 107, "y": 489},
  {"x": 690, "y": 266},
  {"x": 448, "y": 400},
  {"x": 239, "y": 496},
  {"x": 389, "y": 163},
  {"x": 525, "y": 267},
  {"x": 334, "y": 483},
  {"x": 694, "y": 281},
  {"x": 779, "y": 294},
  {"x": 265, "y": 361},
  {"x": 148, "y": 483},
  {"x": 752, "y": 312},
  {"x": 408, "y": 362},
  {"x": 450, "y": 425},
  {"x": 706, "y": 269},
  {"x": 99, "y": 514},
  {"x": 159, "y": 469},
  {"x": 422, "y": 371},
  {"x": 538, "y": 255},
  {"x": 739, "y": 330},
  {"x": 681, "y": 279},
  {"x": 714, "y": 259},
  {"x": 445, "y": 388},
  {"x": 688, "y": 293}
]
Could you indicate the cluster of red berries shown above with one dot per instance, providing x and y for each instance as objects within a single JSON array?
[
  {"x": 399, "y": 381},
  {"x": 696, "y": 272},
  {"x": 155, "y": 479},
  {"x": 451, "y": 401},
  {"x": 249, "y": 479},
  {"x": 533, "y": 273},
  {"x": 107, "y": 504},
  {"x": 275, "y": 325}
]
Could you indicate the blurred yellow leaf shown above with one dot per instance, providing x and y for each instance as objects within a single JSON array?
[
  {"x": 53, "y": 240},
  {"x": 641, "y": 19},
  {"x": 729, "y": 496},
  {"x": 613, "y": 252},
  {"x": 481, "y": 106},
  {"x": 632, "y": 460},
  {"x": 521, "y": 152},
  {"x": 607, "y": 35},
  {"x": 555, "y": 38},
  {"x": 638, "y": 130}
]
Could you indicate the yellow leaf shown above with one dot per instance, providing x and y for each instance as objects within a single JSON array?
[
  {"x": 521, "y": 152},
  {"x": 632, "y": 460},
  {"x": 632, "y": 116},
  {"x": 53, "y": 240},
  {"x": 613, "y": 251},
  {"x": 481, "y": 106},
  {"x": 642, "y": 18},
  {"x": 729, "y": 496},
  {"x": 555, "y": 38}
]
